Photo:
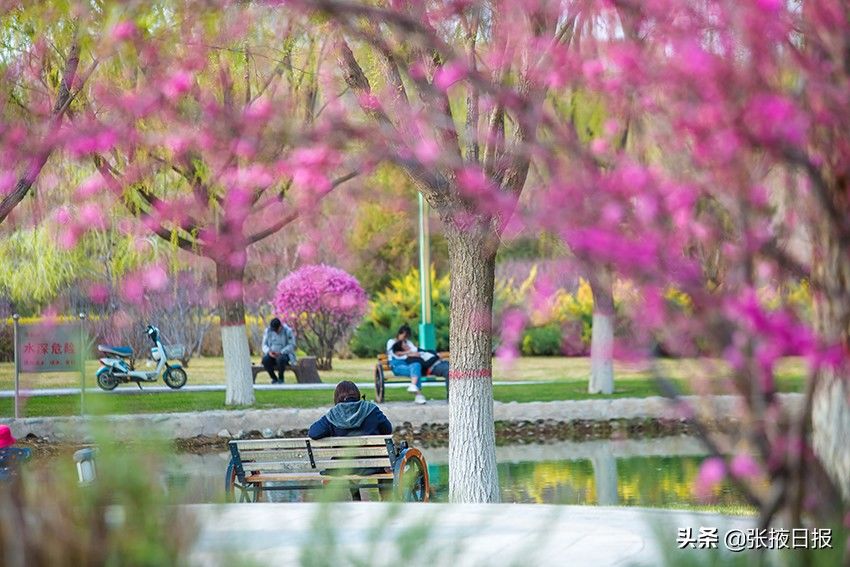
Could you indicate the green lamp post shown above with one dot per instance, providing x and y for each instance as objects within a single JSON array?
[{"x": 427, "y": 336}]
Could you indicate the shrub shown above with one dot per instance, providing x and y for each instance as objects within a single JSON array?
[
  {"x": 322, "y": 304},
  {"x": 542, "y": 341}
]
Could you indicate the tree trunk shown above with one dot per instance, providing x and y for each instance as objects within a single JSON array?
[
  {"x": 605, "y": 477},
  {"x": 234, "y": 336},
  {"x": 830, "y": 408},
  {"x": 602, "y": 334},
  {"x": 472, "y": 438}
]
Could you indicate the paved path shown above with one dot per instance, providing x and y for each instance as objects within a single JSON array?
[
  {"x": 133, "y": 389},
  {"x": 456, "y": 535}
]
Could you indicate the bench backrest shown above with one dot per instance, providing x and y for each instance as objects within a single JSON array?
[
  {"x": 300, "y": 455},
  {"x": 383, "y": 360}
]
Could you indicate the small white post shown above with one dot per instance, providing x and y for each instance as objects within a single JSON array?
[
  {"x": 15, "y": 319},
  {"x": 82, "y": 364},
  {"x": 86, "y": 471}
]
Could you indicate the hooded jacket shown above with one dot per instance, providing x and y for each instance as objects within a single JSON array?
[{"x": 351, "y": 418}]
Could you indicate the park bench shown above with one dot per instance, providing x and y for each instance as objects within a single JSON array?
[
  {"x": 10, "y": 458},
  {"x": 305, "y": 369},
  {"x": 371, "y": 461},
  {"x": 383, "y": 370}
]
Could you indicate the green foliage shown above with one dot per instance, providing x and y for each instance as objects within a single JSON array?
[
  {"x": 34, "y": 269},
  {"x": 122, "y": 518},
  {"x": 544, "y": 245},
  {"x": 385, "y": 243},
  {"x": 398, "y": 304},
  {"x": 384, "y": 238},
  {"x": 545, "y": 340}
]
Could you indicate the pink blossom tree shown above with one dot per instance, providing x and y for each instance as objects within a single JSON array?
[
  {"x": 734, "y": 165},
  {"x": 218, "y": 141},
  {"x": 323, "y": 305}
]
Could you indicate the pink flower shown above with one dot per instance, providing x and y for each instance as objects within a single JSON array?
[
  {"x": 449, "y": 74},
  {"x": 155, "y": 278},
  {"x": 427, "y": 151},
  {"x": 132, "y": 290},
  {"x": 770, "y": 6},
  {"x": 63, "y": 215},
  {"x": 91, "y": 216},
  {"x": 177, "y": 85},
  {"x": 776, "y": 119},
  {"x": 232, "y": 290},
  {"x": 711, "y": 474},
  {"x": 124, "y": 31},
  {"x": 91, "y": 186},
  {"x": 744, "y": 466},
  {"x": 99, "y": 293},
  {"x": 7, "y": 181},
  {"x": 68, "y": 238}
]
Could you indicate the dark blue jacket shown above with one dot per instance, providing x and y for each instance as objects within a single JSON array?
[{"x": 351, "y": 418}]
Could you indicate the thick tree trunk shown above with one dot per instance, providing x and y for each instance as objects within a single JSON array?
[
  {"x": 472, "y": 437},
  {"x": 234, "y": 336},
  {"x": 830, "y": 408},
  {"x": 602, "y": 334}
]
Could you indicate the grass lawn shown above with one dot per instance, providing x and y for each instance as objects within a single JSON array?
[
  {"x": 106, "y": 403},
  {"x": 542, "y": 368}
]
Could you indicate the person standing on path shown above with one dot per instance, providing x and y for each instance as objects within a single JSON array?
[{"x": 278, "y": 349}]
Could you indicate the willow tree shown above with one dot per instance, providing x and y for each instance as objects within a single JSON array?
[{"x": 218, "y": 140}]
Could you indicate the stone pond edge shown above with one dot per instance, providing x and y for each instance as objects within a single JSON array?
[{"x": 595, "y": 418}]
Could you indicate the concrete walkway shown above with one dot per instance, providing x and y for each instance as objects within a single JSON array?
[
  {"x": 148, "y": 389},
  {"x": 456, "y": 535}
]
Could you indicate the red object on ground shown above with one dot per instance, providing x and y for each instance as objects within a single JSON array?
[{"x": 6, "y": 438}]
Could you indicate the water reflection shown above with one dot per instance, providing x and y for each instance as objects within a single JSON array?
[{"x": 642, "y": 472}]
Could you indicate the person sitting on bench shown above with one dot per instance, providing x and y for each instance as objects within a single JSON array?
[
  {"x": 278, "y": 349},
  {"x": 350, "y": 415},
  {"x": 404, "y": 360}
]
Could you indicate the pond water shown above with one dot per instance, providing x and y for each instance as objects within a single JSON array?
[{"x": 648, "y": 472}]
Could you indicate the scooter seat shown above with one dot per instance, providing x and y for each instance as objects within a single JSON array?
[{"x": 117, "y": 350}]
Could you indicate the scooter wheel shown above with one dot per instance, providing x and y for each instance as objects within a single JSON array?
[
  {"x": 106, "y": 380},
  {"x": 175, "y": 378}
]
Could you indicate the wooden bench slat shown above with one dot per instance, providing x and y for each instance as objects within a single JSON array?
[
  {"x": 284, "y": 477},
  {"x": 247, "y": 444},
  {"x": 301, "y": 466},
  {"x": 366, "y": 440},
  {"x": 274, "y": 454},
  {"x": 277, "y": 467},
  {"x": 349, "y": 452},
  {"x": 353, "y": 463}
]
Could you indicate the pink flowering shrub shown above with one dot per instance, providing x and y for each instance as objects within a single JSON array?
[{"x": 323, "y": 305}]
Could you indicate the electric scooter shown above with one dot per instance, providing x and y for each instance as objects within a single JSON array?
[{"x": 119, "y": 368}]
